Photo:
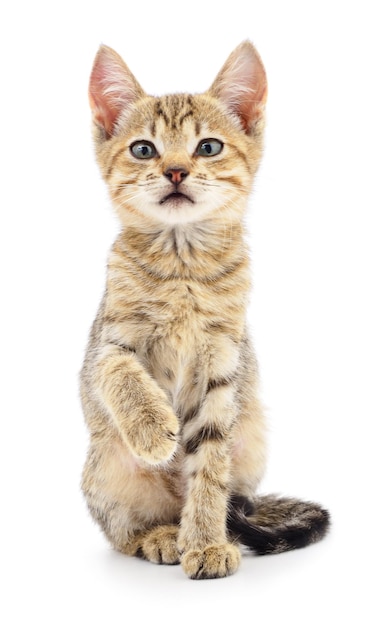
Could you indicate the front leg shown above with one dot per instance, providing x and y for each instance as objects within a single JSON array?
[
  {"x": 137, "y": 405},
  {"x": 207, "y": 439}
]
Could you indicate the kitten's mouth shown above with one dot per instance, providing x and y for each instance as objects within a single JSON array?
[{"x": 176, "y": 198}]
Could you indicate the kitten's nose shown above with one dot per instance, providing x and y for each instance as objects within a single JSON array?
[{"x": 176, "y": 174}]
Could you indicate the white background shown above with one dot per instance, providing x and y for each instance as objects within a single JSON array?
[{"x": 312, "y": 314}]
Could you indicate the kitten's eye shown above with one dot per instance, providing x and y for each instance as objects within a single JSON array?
[
  {"x": 143, "y": 150},
  {"x": 209, "y": 147}
]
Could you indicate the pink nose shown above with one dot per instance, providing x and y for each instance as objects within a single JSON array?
[{"x": 176, "y": 174}]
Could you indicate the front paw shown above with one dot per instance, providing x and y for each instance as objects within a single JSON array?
[
  {"x": 154, "y": 436},
  {"x": 214, "y": 561}
]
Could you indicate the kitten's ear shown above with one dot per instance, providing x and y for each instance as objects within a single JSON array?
[
  {"x": 112, "y": 88},
  {"x": 241, "y": 85}
]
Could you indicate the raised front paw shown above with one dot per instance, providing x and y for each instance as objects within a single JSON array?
[
  {"x": 214, "y": 561},
  {"x": 153, "y": 436}
]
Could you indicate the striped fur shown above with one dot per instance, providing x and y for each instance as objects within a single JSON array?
[{"x": 169, "y": 385}]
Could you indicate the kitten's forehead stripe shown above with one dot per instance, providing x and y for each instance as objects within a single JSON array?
[
  {"x": 185, "y": 115},
  {"x": 160, "y": 112},
  {"x": 175, "y": 109}
]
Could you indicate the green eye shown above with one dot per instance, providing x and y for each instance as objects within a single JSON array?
[
  {"x": 209, "y": 147},
  {"x": 143, "y": 150}
]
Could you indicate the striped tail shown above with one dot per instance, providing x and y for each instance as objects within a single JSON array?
[{"x": 272, "y": 524}]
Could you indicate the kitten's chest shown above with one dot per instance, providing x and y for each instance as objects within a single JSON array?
[
  {"x": 177, "y": 342},
  {"x": 177, "y": 328},
  {"x": 177, "y": 325}
]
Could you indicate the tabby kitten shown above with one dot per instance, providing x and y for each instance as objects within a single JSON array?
[{"x": 169, "y": 384}]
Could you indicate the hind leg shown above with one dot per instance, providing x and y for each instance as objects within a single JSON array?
[
  {"x": 158, "y": 545},
  {"x": 136, "y": 510}
]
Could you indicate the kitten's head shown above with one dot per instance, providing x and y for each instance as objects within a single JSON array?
[{"x": 179, "y": 158}]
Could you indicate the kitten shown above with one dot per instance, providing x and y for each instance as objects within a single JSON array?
[{"x": 169, "y": 384}]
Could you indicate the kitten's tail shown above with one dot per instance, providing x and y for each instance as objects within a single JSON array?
[{"x": 272, "y": 524}]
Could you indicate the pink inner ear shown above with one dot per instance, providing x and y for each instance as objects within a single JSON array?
[
  {"x": 242, "y": 85},
  {"x": 112, "y": 88},
  {"x": 250, "y": 107},
  {"x": 103, "y": 110}
]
